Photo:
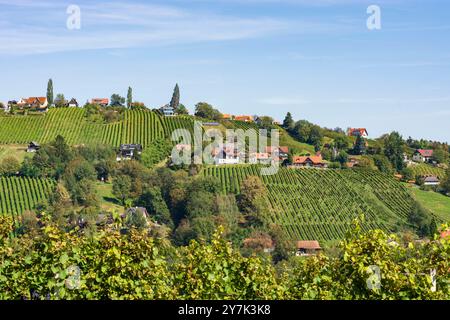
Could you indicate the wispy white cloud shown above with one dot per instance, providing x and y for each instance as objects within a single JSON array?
[{"x": 112, "y": 25}]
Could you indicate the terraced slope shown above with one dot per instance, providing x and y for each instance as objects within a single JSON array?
[
  {"x": 321, "y": 204},
  {"x": 20, "y": 194},
  {"x": 138, "y": 126}
]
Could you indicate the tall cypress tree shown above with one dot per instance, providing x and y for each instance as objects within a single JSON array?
[
  {"x": 129, "y": 97},
  {"x": 175, "y": 102},
  {"x": 288, "y": 122},
  {"x": 50, "y": 92}
]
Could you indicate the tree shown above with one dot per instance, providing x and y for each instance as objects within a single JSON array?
[
  {"x": 117, "y": 100},
  {"x": 153, "y": 201},
  {"x": 182, "y": 110},
  {"x": 206, "y": 111},
  {"x": 342, "y": 157},
  {"x": 129, "y": 97},
  {"x": 9, "y": 166},
  {"x": 440, "y": 155},
  {"x": 60, "y": 100},
  {"x": 445, "y": 184},
  {"x": 253, "y": 200},
  {"x": 302, "y": 130},
  {"x": 288, "y": 122},
  {"x": 341, "y": 142},
  {"x": 266, "y": 122},
  {"x": 50, "y": 92},
  {"x": 175, "y": 101},
  {"x": 383, "y": 164},
  {"x": 393, "y": 149},
  {"x": 407, "y": 174},
  {"x": 315, "y": 137},
  {"x": 422, "y": 221},
  {"x": 122, "y": 188},
  {"x": 360, "y": 146}
]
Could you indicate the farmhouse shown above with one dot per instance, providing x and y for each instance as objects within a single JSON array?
[
  {"x": 226, "y": 116},
  {"x": 228, "y": 154},
  {"x": 129, "y": 151},
  {"x": 33, "y": 147},
  {"x": 37, "y": 103},
  {"x": 260, "y": 157},
  {"x": 167, "y": 110},
  {"x": 431, "y": 181},
  {"x": 73, "y": 103},
  {"x": 244, "y": 118},
  {"x": 281, "y": 152},
  {"x": 309, "y": 162},
  {"x": 423, "y": 155},
  {"x": 103, "y": 102},
  {"x": 355, "y": 132},
  {"x": 308, "y": 248}
]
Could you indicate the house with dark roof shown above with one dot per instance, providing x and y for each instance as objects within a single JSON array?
[
  {"x": 167, "y": 110},
  {"x": 431, "y": 181},
  {"x": 422, "y": 155},
  {"x": 308, "y": 248},
  {"x": 129, "y": 151},
  {"x": 73, "y": 103},
  {"x": 33, "y": 146}
]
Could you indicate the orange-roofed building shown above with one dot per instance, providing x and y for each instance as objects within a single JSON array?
[
  {"x": 309, "y": 162},
  {"x": 100, "y": 101},
  {"x": 308, "y": 247},
  {"x": 38, "y": 103},
  {"x": 226, "y": 116},
  {"x": 244, "y": 118}
]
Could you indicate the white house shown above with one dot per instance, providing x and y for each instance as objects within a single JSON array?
[
  {"x": 354, "y": 132},
  {"x": 422, "y": 155},
  {"x": 228, "y": 154}
]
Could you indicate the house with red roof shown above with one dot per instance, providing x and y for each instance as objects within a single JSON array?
[
  {"x": 244, "y": 118},
  {"x": 309, "y": 162},
  {"x": 355, "y": 132},
  {"x": 36, "y": 103},
  {"x": 308, "y": 248},
  {"x": 423, "y": 155},
  {"x": 100, "y": 101}
]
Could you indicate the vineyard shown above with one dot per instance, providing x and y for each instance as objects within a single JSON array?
[
  {"x": 138, "y": 126},
  {"x": 20, "y": 194},
  {"x": 427, "y": 170},
  {"x": 321, "y": 204}
]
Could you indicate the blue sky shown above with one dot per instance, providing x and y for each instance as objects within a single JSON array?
[{"x": 316, "y": 59}]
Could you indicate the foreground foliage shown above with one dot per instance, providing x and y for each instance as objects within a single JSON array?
[{"x": 48, "y": 263}]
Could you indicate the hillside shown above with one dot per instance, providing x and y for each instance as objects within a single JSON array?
[
  {"x": 20, "y": 194},
  {"x": 137, "y": 126},
  {"x": 321, "y": 204}
]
